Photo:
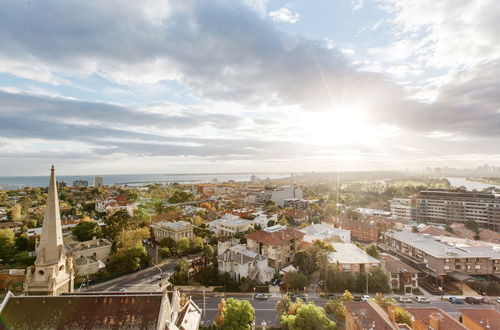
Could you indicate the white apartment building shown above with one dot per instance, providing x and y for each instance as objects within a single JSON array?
[
  {"x": 230, "y": 225},
  {"x": 174, "y": 230},
  {"x": 401, "y": 208},
  {"x": 324, "y": 232},
  {"x": 352, "y": 259}
]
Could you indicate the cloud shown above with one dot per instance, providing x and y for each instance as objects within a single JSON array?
[{"x": 284, "y": 15}]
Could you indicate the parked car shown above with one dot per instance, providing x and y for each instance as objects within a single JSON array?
[
  {"x": 298, "y": 296},
  {"x": 260, "y": 296},
  {"x": 488, "y": 301},
  {"x": 455, "y": 300},
  {"x": 365, "y": 297},
  {"x": 404, "y": 300},
  {"x": 422, "y": 300},
  {"x": 276, "y": 281},
  {"x": 123, "y": 290},
  {"x": 473, "y": 301},
  {"x": 357, "y": 298},
  {"x": 331, "y": 296}
]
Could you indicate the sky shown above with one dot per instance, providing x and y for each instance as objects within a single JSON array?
[{"x": 114, "y": 87}]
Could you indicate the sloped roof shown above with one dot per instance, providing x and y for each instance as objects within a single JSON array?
[
  {"x": 369, "y": 315},
  {"x": 445, "y": 321},
  {"x": 394, "y": 265},
  {"x": 483, "y": 316},
  {"x": 83, "y": 312},
  {"x": 280, "y": 237}
]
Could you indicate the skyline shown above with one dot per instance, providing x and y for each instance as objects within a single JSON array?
[{"x": 248, "y": 86}]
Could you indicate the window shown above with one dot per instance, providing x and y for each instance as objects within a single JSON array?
[
  {"x": 457, "y": 267},
  {"x": 478, "y": 266}
]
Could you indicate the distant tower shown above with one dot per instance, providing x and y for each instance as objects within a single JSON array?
[
  {"x": 53, "y": 273},
  {"x": 98, "y": 181}
]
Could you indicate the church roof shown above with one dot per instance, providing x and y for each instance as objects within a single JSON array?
[{"x": 136, "y": 311}]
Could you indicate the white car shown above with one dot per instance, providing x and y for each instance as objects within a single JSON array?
[
  {"x": 365, "y": 297},
  {"x": 422, "y": 300}
]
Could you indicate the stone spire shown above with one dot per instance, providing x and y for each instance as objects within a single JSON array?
[
  {"x": 51, "y": 241},
  {"x": 53, "y": 273}
]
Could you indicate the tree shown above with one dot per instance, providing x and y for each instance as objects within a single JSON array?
[
  {"x": 295, "y": 280},
  {"x": 308, "y": 316},
  {"x": 86, "y": 230},
  {"x": 236, "y": 314},
  {"x": 219, "y": 317},
  {"x": 283, "y": 304},
  {"x": 208, "y": 254},
  {"x": 372, "y": 251},
  {"x": 271, "y": 223},
  {"x": 133, "y": 237},
  {"x": 142, "y": 217},
  {"x": 118, "y": 222},
  {"x": 16, "y": 212},
  {"x": 197, "y": 244},
  {"x": 336, "y": 306},
  {"x": 164, "y": 252},
  {"x": 167, "y": 242},
  {"x": 183, "y": 245},
  {"x": 7, "y": 244},
  {"x": 197, "y": 220},
  {"x": 378, "y": 281},
  {"x": 128, "y": 259},
  {"x": 181, "y": 272},
  {"x": 304, "y": 261}
]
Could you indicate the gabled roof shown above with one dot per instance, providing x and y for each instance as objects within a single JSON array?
[
  {"x": 445, "y": 321},
  {"x": 484, "y": 317},
  {"x": 82, "y": 312},
  {"x": 368, "y": 315},
  {"x": 280, "y": 237}
]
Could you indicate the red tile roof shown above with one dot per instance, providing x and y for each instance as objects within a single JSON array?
[
  {"x": 368, "y": 315},
  {"x": 483, "y": 317},
  {"x": 444, "y": 320},
  {"x": 276, "y": 238}
]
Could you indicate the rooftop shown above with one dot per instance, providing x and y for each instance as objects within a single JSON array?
[
  {"x": 444, "y": 320},
  {"x": 368, "y": 315},
  {"x": 275, "y": 236},
  {"x": 394, "y": 265},
  {"x": 431, "y": 246},
  {"x": 484, "y": 317},
  {"x": 346, "y": 253},
  {"x": 179, "y": 225}
]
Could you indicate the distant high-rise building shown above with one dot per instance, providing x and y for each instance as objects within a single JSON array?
[
  {"x": 80, "y": 183},
  {"x": 98, "y": 181},
  {"x": 53, "y": 272},
  {"x": 61, "y": 184},
  {"x": 458, "y": 206}
]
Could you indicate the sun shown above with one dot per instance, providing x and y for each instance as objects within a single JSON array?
[{"x": 340, "y": 126}]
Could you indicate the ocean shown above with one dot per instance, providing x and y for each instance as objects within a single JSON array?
[{"x": 137, "y": 179}]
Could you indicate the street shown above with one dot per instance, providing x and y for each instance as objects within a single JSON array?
[{"x": 146, "y": 280}]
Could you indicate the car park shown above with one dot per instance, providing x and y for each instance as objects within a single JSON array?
[
  {"x": 260, "y": 296},
  {"x": 455, "y": 300},
  {"x": 422, "y": 300}
]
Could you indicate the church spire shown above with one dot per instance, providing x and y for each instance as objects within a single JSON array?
[{"x": 51, "y": 241}]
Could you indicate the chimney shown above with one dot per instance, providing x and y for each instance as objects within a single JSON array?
[{"x": 433, "y": 322}]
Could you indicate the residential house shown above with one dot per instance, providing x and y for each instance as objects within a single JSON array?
[
  {"x": 324, "y": 232},
  {"x": 278, "y": 243},
  {"x": 262, "y": 218},
  {"x": 240, "y": 262},
  {"x": 361, "y": 230},
  {"x": 296, "y": 216},
  {"x": 352, "y": 259},
  {"x": 433, "y": 319},
  {"x": 402, "y": 277},
  {"x": 173, "y": 230},
  {"x": 88, "y": 256}
]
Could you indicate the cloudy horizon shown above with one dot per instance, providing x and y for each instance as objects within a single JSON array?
[{"x": 248, "y": 86}]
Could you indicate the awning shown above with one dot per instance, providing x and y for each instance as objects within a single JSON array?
[{"x": 461, "y": 277}]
